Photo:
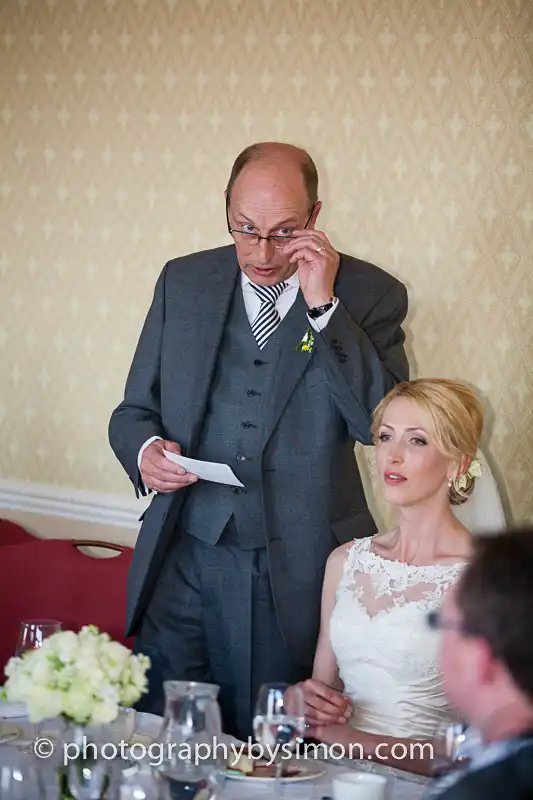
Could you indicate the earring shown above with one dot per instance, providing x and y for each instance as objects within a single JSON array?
[{"x": 450, "y": 483}]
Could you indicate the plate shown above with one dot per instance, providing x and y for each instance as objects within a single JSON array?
[
  {"x": 11, "y": 710},
  {"x": 308, "y": 770}
]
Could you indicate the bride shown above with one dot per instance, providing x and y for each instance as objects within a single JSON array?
[{"x": 375, "y": 680}]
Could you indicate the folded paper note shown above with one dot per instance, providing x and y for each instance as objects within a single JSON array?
[{"x": 206, "y": 470}]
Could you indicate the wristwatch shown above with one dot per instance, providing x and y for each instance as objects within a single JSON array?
[{"x": 316, "y": 312}]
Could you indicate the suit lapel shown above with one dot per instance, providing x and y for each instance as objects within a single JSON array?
[
  {"x": 292, "y": 363},
  {"x": 214, "y": 309}
]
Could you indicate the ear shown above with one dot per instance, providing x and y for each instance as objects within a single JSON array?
[
  {"x": 463, "y": 466},
  {"x": 314, "y": 215},
  {"x": 487, "y": 669},
  {"x": 459, "y": 468}
]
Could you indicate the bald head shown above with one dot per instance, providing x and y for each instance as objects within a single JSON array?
[{"x": 278, "y": 154}]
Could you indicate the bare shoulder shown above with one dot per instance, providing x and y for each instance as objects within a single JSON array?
[
  {"x": 338, "y": 556},
  {"x": 336, "y": 561}
]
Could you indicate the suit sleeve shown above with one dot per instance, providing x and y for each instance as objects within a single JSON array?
[
  {"x": 364, "y": 361},
  {"x": 138, "y": 417}
]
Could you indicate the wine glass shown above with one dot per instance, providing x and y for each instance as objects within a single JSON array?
[
  {"x": 279, "y": 722},
  {"x": 33, "y": 632}
]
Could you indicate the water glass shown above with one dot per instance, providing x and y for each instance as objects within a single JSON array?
[{"x": 279, "y": 721}]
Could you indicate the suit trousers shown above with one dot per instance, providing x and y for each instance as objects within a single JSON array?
[{"x": 212, "y": 619}]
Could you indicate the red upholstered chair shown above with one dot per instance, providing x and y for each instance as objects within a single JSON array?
[
  {"x": 13, "y": 533},
  {"x": 53, "y": 579}
]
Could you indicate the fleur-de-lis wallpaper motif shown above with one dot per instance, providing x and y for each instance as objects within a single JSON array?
[{"x": 119, "y": 121}]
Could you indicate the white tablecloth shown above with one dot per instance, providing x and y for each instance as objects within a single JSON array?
[{"x": 403, "y": 785}]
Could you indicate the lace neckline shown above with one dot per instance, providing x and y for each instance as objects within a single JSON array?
[
  {"x": 380, "y": 585},
  {"x": 416, "y": 569}
]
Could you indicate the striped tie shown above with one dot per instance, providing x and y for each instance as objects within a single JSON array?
[{"x": 267, "y": 319}]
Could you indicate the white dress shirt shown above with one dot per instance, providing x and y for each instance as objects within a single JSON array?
[{"x": 252, "y": 304}]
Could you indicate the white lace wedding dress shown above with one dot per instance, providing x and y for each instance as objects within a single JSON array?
[{"x": 387, "y": 655}]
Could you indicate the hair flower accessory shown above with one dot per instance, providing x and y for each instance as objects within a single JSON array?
[
  {"x": 473, "y": 471},
  {"x": 307, "y": 342}
]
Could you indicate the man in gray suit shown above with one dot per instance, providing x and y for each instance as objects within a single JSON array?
[{"x": 268, "y": 355}]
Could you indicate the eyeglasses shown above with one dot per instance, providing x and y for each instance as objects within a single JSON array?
[
  {"x": 436, "y": 622},
  {"x": 253, "y": 239}
]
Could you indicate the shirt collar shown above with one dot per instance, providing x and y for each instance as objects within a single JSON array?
[{"x": 292, "y": 282}]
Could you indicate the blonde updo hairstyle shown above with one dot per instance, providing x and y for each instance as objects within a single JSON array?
[{"x": 457, "y": 418}]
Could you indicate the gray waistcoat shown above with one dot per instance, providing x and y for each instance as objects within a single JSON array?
[{"x": 231, "y": 434}]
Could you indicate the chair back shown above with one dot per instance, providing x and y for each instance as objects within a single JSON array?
[
  {"x": 53, "y": 579},
  {"x": 13, "y": 533}
]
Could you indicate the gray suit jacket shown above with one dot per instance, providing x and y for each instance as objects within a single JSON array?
[{"x": 321, "y": 403}]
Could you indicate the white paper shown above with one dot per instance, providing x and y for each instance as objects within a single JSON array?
[{"x": 206, "y": 470}]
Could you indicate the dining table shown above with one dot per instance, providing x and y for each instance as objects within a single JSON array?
[
  {"x": 16, "y": 730},
  {"x": 402, "y": 786}
]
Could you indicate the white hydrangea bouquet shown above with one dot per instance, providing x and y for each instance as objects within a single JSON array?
[{"x": 83, "y": 677}]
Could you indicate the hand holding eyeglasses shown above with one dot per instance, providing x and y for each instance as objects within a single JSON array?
[{"x": 318, "y": 264}]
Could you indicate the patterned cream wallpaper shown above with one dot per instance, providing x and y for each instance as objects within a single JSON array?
[{"x": 120, "y": 120}]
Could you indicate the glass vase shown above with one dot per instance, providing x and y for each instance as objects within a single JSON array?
[{"x": 86, "y": 775}]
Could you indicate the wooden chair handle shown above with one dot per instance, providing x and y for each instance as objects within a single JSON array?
[{"x": 95, "y": 543}]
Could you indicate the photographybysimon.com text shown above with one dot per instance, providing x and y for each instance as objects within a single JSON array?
[{"x": 197, "y": 753}]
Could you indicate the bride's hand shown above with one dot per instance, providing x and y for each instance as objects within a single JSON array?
[
  {"x": 336, "y": 734},
  {"x": 324, "y": 705}
]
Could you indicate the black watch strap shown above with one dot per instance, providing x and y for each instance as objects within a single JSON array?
[{"x": 319, "y": 310}]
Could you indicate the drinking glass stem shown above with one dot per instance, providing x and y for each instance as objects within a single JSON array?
[{"x": 278, "y": 781}]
